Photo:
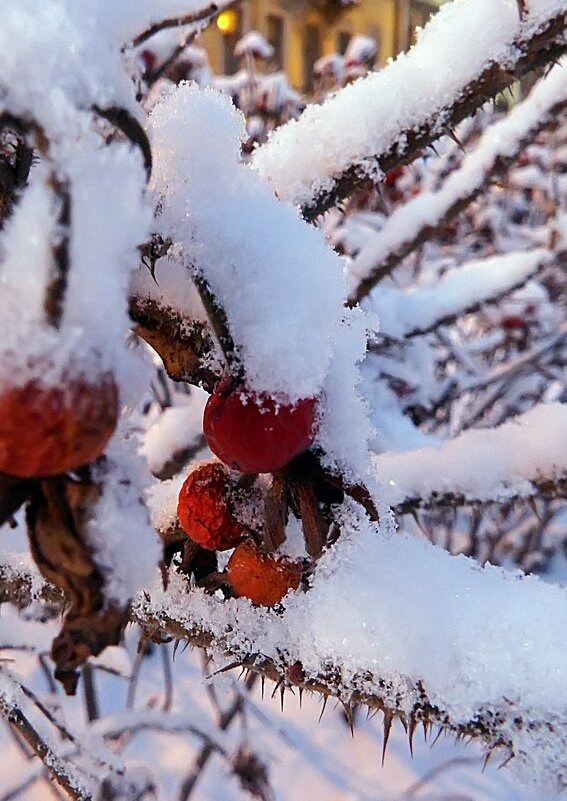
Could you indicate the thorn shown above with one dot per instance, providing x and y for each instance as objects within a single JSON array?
[
  {"x": 325, "y": 699},
  {"x": 175, "y": 647},
  {"x": 373, "y": 713},
  {"x": 242, "y": 672},
  {"x": 300, "y": 697},
  {"x": 348, "y": 714},
  {"x": 185, "y": 647},
  {"x": 411, "y": 732},
  {"x": 263, "y": 683},
  {"x": 434, "y": 150},
  {"x": 437, "y": 736},
  {"x": 277, "y": 687},
  {"x": 404, "y": 721},
  {"x": 533, "y": 507},
  {"x": 452, "y": 135},
  {"x": 486, "y": 760},
  {"x": 282, "y": 693},
  {"x": 388, "y": 718},
  {"x": 508, "y": 759},
  {"x": 425, "y": 729},
  {"x": 225, "y": 669}
]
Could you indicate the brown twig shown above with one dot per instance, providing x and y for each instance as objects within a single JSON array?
[
  {"x": 132, "y": 130},
  {"x": 204, "y": 15}
]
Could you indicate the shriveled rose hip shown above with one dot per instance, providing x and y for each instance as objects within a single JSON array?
[
  {"x": 50, "y": 430},
  {"x": 203, "y": 509},
  {"x": 255, "y": 434},
  {"x": 261, "y": 577}
]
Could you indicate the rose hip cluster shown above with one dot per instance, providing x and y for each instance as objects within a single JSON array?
[{"x": 252, "y": 435}]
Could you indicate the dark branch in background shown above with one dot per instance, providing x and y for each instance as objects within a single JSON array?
[
  {"x": 545, "y": 47},
  {"x": 204, "y": 15},
  {"x": 224, "y": 720},
  {"x": 543, "y": 488},
  {"x": 131, "y": 129}
]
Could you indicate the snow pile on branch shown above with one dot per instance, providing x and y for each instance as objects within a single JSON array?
[
  {"x": 281, "y": 286},
  {"x": 364, "y": 120},
  {"x": 411, "y": 222},
  {"x": 482, "y": 465},
  {"x": 274, "y": 276},
  {"x": 394, "y": 621},
  {"x": 414, "y": 311}
]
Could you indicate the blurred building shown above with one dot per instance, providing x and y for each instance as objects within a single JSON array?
[{"x": 301, "y": 31}]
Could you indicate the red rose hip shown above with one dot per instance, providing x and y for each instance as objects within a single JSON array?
[
  {"x": 255, "y": 434},
  {"x": 203, "y": 509},
  {"x": 50, "y": 430}
]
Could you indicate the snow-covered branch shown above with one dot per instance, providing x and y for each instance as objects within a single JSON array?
[
  {"x": 418, "y": 219},
  {"x": 522, "y": 458},
  {"x": 468, "y": 662},
  {"x": 408, "y": 313},
  {"x": 388, "y": 118}
]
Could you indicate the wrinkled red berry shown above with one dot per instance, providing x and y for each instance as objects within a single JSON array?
[
  {"x": 203, "y": 510},
  {"x": 51, "y": 430},
  {"x": 261, "y": 577},
  {"x": 255, "y": 434}
]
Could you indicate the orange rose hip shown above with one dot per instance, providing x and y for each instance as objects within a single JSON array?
[
  {"x": 261, "y": 577},
  {"x": 203, "y": 509}
]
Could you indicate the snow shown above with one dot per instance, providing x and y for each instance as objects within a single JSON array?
[
  {"x": 177, "y": 428},
  {"x": 302, "y": 158},
  {"x": 475, "y": 638},
  {"x": 125, "y": 545},
  {"x": 253, "y": 43},
  {"x": 259, "y": 258},
  {"x": 428, "y": 209},
  {"x": 482, "y": 465},
  {"x": 408, "y": 312}
]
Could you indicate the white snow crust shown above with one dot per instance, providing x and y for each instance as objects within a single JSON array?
[
  {"x": 482, "y": 464},
  {"x": 273, "y": 274},
  {"x": 397, "y": 608},
  {"x": 502, "y": 139},
  {"x": 405, "y": 312}
]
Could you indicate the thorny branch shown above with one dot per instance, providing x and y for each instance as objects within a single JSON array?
[
  {"x": 447, "y": 212},
  {"x": 491, "y": 727},
  {"x": 529, "y": 54},
  {"x": 58, "y": 770}
]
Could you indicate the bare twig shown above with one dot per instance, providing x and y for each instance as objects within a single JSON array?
[{"x": 204, "y": 15}]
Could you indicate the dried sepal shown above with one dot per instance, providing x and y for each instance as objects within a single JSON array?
[{"x": 57, "y": 517}]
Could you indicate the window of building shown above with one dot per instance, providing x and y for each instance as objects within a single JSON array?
[
  {"x": 311, "y": 52},
  {"x": 276, "y": 37},
  {"x": 342, "y": 42}
]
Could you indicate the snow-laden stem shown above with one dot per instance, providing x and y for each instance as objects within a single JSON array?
[
  {"x": 418, "y": 220},
  {"x": 57, "y": 769},
  {"x": 321, "y": 181}
]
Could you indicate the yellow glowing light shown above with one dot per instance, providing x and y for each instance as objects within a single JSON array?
[{"x": 227, "y": 22}]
